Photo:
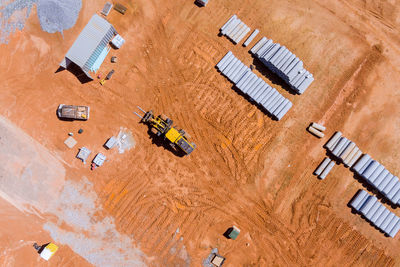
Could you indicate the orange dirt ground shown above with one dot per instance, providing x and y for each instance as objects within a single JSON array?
[{"x": 247, "y": 170}]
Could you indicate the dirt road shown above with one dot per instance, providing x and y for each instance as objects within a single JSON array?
[{"x": 247, "y": 170}]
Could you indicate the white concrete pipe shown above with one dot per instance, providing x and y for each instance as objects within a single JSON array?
[
  {"x": 385, "y": 181},
  {"x": 327, "y": 170},
  {"x": 370, "y": 169},
  {"x": 322, "y": 166},
  {"x": 343, "y": 147},
  {"x": 347, "y": 150},
  {"x": 380, "y": 178},
  {"x": 333, "y": 140},
  {"x": 318, "y": 126},
  {"x": 354, "y": 158},
  {"x": 350, "y": 155},
  {"x": 375, "y": 174},
  {"x": 361, "y": 163},
  {"x": 339, "y": 146},
  {"x": 365, "y": 166},
  {"x": 315, "y": 132}
]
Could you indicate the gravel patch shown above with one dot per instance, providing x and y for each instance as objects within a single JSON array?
[
  {"x": 54, "y": 15},
  {"x": 58, "y": 15}
]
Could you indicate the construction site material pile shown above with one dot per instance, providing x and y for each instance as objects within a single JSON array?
[
  {"x": 365, "y": 167},
  {"x": 379, "y": 177},
  {"x": 284, "y": 63},
  {"x": 369, "y": 206},
  {"x": 235, "y": 29},
  {"x": 253, "y": 86},
  {"x": 343, "y": 149}
]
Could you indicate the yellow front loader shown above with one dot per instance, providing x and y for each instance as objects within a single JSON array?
[{"x": 162, "y": 126}]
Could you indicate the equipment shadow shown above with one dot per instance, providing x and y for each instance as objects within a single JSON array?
[{"x": 162, "y": 142}]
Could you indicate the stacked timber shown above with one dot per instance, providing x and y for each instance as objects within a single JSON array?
[
  {"x": 379, "y": 177},
  {"x": 369, "y": 206},
  {"x": 284, "y": 63},
  {"x": 253, "y": 86},
  {"x": 235, "y": 29}
]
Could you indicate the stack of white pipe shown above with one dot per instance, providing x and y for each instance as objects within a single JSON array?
[
  {"x": 251, "y": 38},
  {"x": 324, "y": 168},
  {"x": 284, "y": 63},
  {"x": 343, "y": 149},
  {"x": 235, "y": 29},
  {"x": 253, "y": 86},
  {"x": 376, "y": 213},
  {"x": 317, "y": 129},
  {"x": 379, "y": 177}
]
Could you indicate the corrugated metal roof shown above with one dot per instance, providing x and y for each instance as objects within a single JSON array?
[{"x": 90, "y": 42}]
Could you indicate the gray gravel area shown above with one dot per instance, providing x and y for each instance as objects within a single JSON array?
[
  {"x": 54, "y": 15},
  {"x": 58, "y": 15}
]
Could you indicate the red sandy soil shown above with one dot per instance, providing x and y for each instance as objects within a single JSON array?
[{"x": 247, "y": 170}]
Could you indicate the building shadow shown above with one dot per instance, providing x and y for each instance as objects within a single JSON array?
[
  {"x": 75, "y": 70},
  {"x": 228, "y": 232}
]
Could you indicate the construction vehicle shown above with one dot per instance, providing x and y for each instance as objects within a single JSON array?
[
  {"x": 162, "y": 126},
  {"x": 103, "y": 81},
  {"x": 73, "y": 112},
  {"x": 46, "y": 251}
]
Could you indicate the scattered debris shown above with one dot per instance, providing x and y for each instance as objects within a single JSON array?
[
  {"x": 120, "y": 8},
  {"x": 70, "y": 142},
  {"x": 106, "y": 9},
  {"x": 99, "y": 159},
  {"x": 73, "y": 112},
  {"x": 110, "y": 142},
  {"x": 83, "y": 154},
  {"x": 71, "y": 134},
  {"x": 118, "y": 41},
  {"x": 125, "y": 140},
  {"x": 103, "y": 81},
  {"x": 114, "y": 59}
]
